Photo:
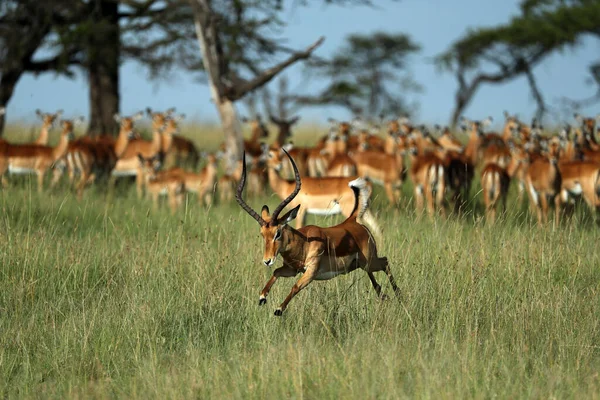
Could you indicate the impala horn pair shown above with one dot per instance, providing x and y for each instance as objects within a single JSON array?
[{"x": 280, "y": 207}]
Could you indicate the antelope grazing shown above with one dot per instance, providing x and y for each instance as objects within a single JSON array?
[
  {"x": 319, "y": 196},
  {"x": 171, "y": 185},
  {"x": 318, "y": 253},
  {"x": 33, "y": 158},
  {"x": 48, "y": 121},
  {"x": 495, "y": 181}
]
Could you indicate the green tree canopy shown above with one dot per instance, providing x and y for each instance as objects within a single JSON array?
[
  {"x": 498, "y": 54},
  {"x": 368, "y": 75}
]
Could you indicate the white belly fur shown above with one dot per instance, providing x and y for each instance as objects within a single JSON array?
[
  {"x": 20, "y": 170},
  {"x": 124, "y": 173},
  {"x": 333, "y": 210}
]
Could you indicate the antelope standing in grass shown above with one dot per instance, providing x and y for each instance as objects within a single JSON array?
[
  {"x": 128, "y": 164},
  {"x": 93, "y": 158},
  {"x": 580, "y": 179},
  {"x": 495, "y": 181},
  {"x": 315, "y": 252},
  {"x": 201, "y": 183},
  {"x": 319, "y": 196},
  {"x": 543, "y": 183},
  {"x": 157, "y": 184},
  {"x": 48, "y": 121},
  {"x": 33, "y": 158}
]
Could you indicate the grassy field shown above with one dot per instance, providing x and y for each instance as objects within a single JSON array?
[{"x": 111, "y": 300}]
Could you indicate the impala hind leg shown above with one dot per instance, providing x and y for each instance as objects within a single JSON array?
[{"x": 283, "y": 272}]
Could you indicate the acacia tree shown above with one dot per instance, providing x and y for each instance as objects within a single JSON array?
[
  {"x": 367, "y": 75},
  {"x": 499, "y": 54},
  {"x": 233, "y": 40},
  {"x": 94, "y": 37}
]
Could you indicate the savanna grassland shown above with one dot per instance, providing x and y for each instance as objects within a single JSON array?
[{"x": 111, "y": 299}]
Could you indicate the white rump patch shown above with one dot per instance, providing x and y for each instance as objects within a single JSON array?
[
  {"x": 576, "y": 190},
  {"x": 359, "y": 183},
  {"x": 534, "y": 195}
]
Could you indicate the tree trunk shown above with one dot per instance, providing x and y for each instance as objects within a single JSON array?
[
  {"x": 231, "y": 129},
  {"x": 8, "y": 81},
  {"x": 103, "y": 68}
]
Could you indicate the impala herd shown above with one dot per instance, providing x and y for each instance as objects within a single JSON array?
[
  {"x": 550, "y": 170},
  {"x": 335, "y": 176}
]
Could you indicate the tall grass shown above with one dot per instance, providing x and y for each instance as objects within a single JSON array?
[{"x": 109, "y": 299}]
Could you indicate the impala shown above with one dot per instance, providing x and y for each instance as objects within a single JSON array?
[
  {"x": 543, "y": 182},
  {"x": 94, "y": 158},
  {"x": 318, "y": 253},
  {"x": 428, "y": 175},
  {"x": 202, "y": 183},
  {"x": 163, "y": 125},
  {"x": 319, "y": 196},
  {"x": 36, "y": 159},
  {"x": 48, "y": 121},
  {"x": 284, "y": 127},
  {"x": 226, "y": 184},
  {"x": 172, "y": 186},
  {"x": 258, "y": 132},
  {"x": 495, "y": 181}
]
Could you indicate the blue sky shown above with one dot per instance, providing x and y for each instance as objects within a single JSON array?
[{"x": 434, "y": 24}]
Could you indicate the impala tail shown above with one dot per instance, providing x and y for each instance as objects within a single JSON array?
[{"x": 362, "y": 193}]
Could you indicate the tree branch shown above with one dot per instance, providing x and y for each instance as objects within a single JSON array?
[{"x": 235, "y": 93}]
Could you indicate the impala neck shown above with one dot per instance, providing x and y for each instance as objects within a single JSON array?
[
  {"x": 507, "y": 133},
  {"x": 43, "y": 137},
  {"x": 292, "y": 246},
  {"x": 61, "y": 148},
  {"x": 471, "y": 149},
  {"x": 156, "y": 141},
  {"x": 166, "y": 142},
  {"x": 279, "y": 185},
  {"x": 121, "y": 143}
]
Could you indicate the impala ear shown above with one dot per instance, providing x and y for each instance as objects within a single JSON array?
[
  {"x": 290, "y": 215},
  {"x": 179, "y": 118},
  {"x": 137, "y": 116},
  {"x": 59, "y": 113},
  {"x": 170, "y": 111},
  {"x": 78, "y": 121},
  {"x": 39, "y": 113},
  {"x": 506, "y": 114},
  {"x": 265, "y": 212},
  {"x": 149, "y": 111},
  {"x": 117, "y": 118}
]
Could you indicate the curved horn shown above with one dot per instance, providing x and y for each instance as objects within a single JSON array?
[
  {"x": 240, "y": 200},
  {"x": 287, "y": 201}
]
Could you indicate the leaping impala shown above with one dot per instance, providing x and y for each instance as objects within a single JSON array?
[{"x": 318, "y": 253}]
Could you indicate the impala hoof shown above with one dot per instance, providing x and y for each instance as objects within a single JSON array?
[
  {"x": 262, "y": 301},
  {"x": 278, "y": 312}
]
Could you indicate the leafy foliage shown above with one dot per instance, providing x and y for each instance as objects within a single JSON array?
[
  {"x": 497, "y": 54},
  {"x": 366, "y": 74}
]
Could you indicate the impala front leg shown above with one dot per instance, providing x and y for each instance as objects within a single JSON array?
[
  {"x": 309, "y": 275},
  {"x": 284, "y": 272}
]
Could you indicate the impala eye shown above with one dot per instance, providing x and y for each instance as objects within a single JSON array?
[{"x": 277, "y": 235}]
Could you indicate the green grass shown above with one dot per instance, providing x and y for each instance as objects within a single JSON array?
[{"x": 108, "y": 300}]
